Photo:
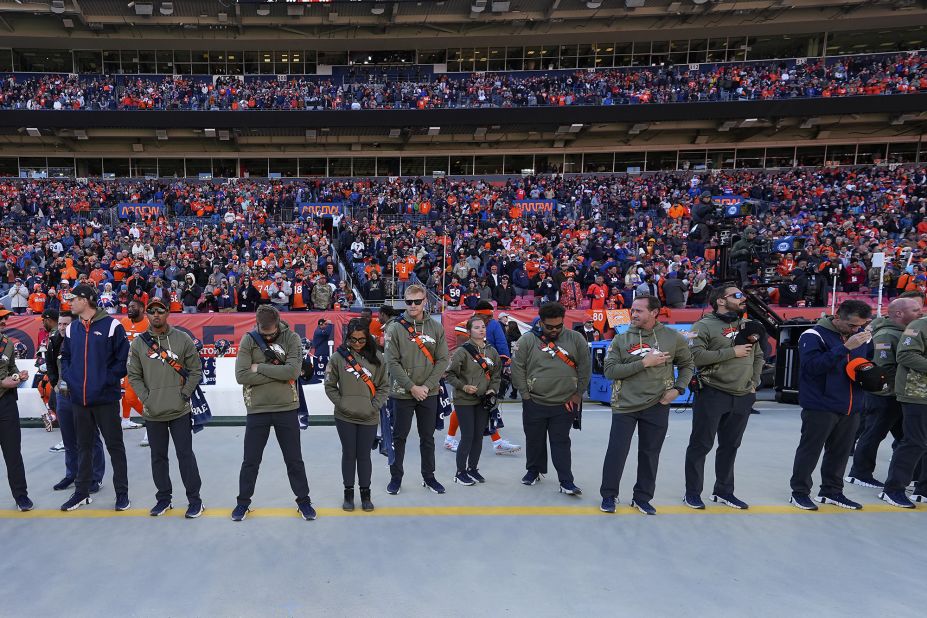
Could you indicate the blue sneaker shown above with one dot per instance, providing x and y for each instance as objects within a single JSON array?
[
  {"x": 803, "y": 502},
  {"x": 24, "y": 504},
  {"x": 869, "y": 482},
  {"x": 897, "y": 498},
  {"x": 194, "y": 510},
  {"x": 305, "y": 509},
  {"x": 730, "y": 500},
  {"x": 608, "y": 505},
  {"x": 240, "y": 512},
  {"x": 96, "y": 487},
  {"x": 694, "y": 501},
  {"x": 839, "y": 500},
  {"x": 570, "y": 489},
  {"x": 476, "y": 476},
  {"x": 122, "y": 502},
  {"x": 434, "y": 485},
  {"x": 464, "y": 479},
  {"x": 531, "y": 477},
  {"x": 160, "y": 508},
  {"x": 76, "y": 501},
  {"x": 643, "y": 507},
  {"x": 394, "y": 486}
]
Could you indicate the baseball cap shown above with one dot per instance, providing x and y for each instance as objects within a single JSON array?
[
  {"x": 50, "y": 314},
  {"x": 5, "y": 313},
  {"x": 65, "y": 282},
  {"x": 156, "y": 302},
  {"x": 503, "y": 315},
  {"x": 86, "y": 292}
]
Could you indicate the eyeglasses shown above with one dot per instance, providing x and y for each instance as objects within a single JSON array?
[
  {"x": 357, "y": 339},
  {"x": 156, "y": 312},
  {"x": 414, "y": 301},
  {"x": 737, "y": 295},
  {"x": 552, "y": 326}
]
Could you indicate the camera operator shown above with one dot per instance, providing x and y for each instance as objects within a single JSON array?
[{"x": 742, "y": 253}]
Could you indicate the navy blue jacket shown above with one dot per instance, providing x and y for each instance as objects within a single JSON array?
[
  {"x": 823, "y": 382},
  {"x": 93, "y": 364}
]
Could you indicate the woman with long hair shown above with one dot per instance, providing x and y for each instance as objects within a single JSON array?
[{"x": 357, "y": 384}]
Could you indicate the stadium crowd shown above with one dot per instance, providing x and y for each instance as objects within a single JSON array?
[
  {"x": 230, "y": 248},
  {"x": 847, "y": 76}
]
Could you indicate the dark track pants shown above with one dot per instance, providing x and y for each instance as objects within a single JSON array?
[
  {"x": 159, "y": 434},
  {"x": 356, "y": 444},
  {"x": 716, "y": 413},
  {"x": 651, "y": 424},
  {"x": 106, "y": 419},
  {"x": 11, "y": 444},
  {"x": 544, "y": 423},
  {"x": 829, "y": 432},
  {"x": 257, "y": 431},
  {"x": 424, "y": 413}
]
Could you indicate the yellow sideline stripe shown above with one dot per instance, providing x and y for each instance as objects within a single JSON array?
[{"x": 455, "y": 511}]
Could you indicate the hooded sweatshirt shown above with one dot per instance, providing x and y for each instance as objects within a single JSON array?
[
  {"x": 272, "y": 388},
  {"x": 7, "y": 364},
  {"x": 463, "y": 370},
  {"x": 712, "y": 348},
  {"x": 93, "y": 360},
  {"x": 823, "y": 383},
  {"x": 350, "y": 394},
  {"x": 408, "y": 366},
  {"x": 636, "y": 387},
  {"x": 885, "y": 336},
  {"x": 911, "y": 379},
  {"x": 543, "y": 377},
  {"x": 165, "y": 396}
]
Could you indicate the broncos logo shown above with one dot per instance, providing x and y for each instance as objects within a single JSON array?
[
  {"x": 357, "y": 375},
  {"x": 730, "y": 332},
  {"x": 640, "y": 349},
  {"x": 170, "y": 354},
  {"x": 424, "y": 338}
]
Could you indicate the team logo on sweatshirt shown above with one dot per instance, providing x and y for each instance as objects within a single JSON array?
[
  {"x": 156, "y": 356},
  {"x": 423, "y": 338},
  {"x": 640, "y": 349},
  {"x": 356, "y": 374},
  {"x": 730, "y": 332}
]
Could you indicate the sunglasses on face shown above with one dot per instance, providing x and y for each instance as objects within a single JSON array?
[
  {"x": 357, "y": 339},
  {"x": 737, "y": 295},
  {"x": 414, "y": 301},
  {"x": 552, "y": 326},
  {"x": 156, "y": 312}
]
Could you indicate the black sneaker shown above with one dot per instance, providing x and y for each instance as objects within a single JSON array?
[
  {"x": 159, "y": 509},
  {"x": 608, "y": 505},
  {"x": 63, "y": 484},
  {"x": 194, "y": 510},
  {"x": 694, "y": 501},
  {"x": 531, "y": 477},
  {"x": 730, "y": 500},
  {"x": 840, "y": 500},
  {"x": 864, "y": 482},
  {"x": 395, "y": 484},
  {"x": 434, "y": 485},
  {"x": 897, "y": 498},
  {"x": 76, "y": 501},
  {"x": 306, "y": 511},
  {"x": 476, "y": 476},
  {"x": 570, "y": 489},
  {"x": 24, "y": 504},
  {"x": 644, "y": 507},
  {"x": 95, "y": 487},
  {"x": 240, "y": 512},
  {"x": 464, "y": 479},
  {"x": 122, "y": 502},
  {"x": 366, "y": 503},
  {"x": 803, "y": 502}
]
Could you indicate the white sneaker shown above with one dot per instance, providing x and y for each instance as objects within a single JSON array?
[
  {"x": 144, "y": 441},
  {"x": 504, "y": 447},
  {"x": 128, "y": 424},
  {"x": 58, "y": 448},
  {"x": 450, "y": 443}
]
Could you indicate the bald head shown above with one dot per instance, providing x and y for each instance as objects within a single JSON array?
[{"x": 903, "y": 311}]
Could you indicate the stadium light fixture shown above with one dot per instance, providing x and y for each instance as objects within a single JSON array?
[
  {"x": 434, "y": 130},
  {"x": 378, "y": 9},
  {"x": 80, "y": 134},
  {"x": 501, "y": 6},
  {"x": 699, "y": 1},
  {"x": 56, "y": 7},
  {"x": 478, "y": 6},
  {"x": 209, "y": 132},
  {"x": 593, "y": 4},
  {"x": 634, "y": 4},
  {"x": 161, "y": 135},
  {"x": 33, "y": 132},
  {"x": 167, "y": 8},
  {"x": 144, "y": 9},
  {"x": 263, "y": 10}
]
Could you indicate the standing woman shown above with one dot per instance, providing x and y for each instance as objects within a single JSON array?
[
  {"x": 248, "y": 296},
  {"x": 356, "y": 382},
  {"x": 475, "y": 372}
]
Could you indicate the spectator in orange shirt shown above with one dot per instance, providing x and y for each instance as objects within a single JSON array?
[{"x": 37, "y": 300}]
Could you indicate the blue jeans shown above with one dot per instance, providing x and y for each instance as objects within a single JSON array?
[{"x": 69, "y": 437}]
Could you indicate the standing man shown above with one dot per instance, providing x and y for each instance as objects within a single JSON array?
[
  {"x": 882, "y": 410},
  {"x": 164, "y": 370},
  {"x": 416, "y": 356},
  {"x": 135, "y": 324},
  {"x": 729, "y": 372},
  {"x": 911, "y": 390},
  {"x": 267, "y": 366},
  {"x": 641, "y": 361},
  {"x": 93, "y": 361},
  {"x": 10, "y": 432},
  {"x": 551, "y": 368},
  {"x": 66, "y": 416},
  {"x": 831, "y": 403}
]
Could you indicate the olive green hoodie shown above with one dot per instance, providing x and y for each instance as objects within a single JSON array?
[
  {"x": 885, "y": 336},
  {"x": 165, "y": 396},
  {"x": 350, "y": 394},
  {"x": 637, "y": 387},
  {"x": 544, "y": 378},
  {"x": 911, "y": 378},
  {"x": 712, "y": 345},
  {"x": 464, "y": 370},
  {"x": 272, "y": 388},
  {"x": 406, "y": 363},
  {"x": 7, "y": 365}
]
